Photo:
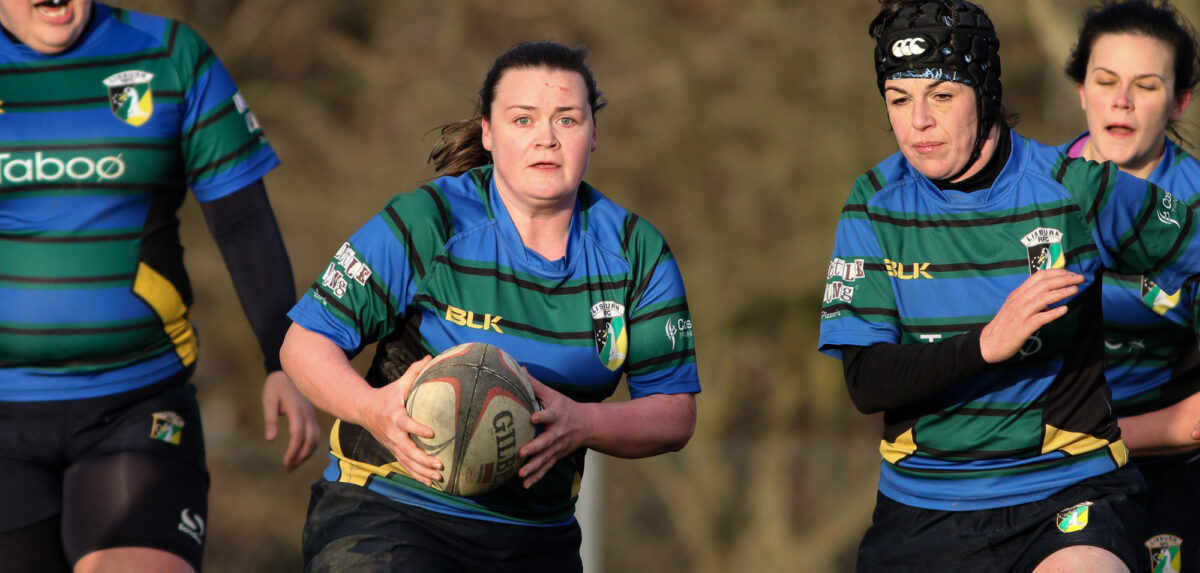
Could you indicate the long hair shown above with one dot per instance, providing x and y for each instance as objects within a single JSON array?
[{"x": 460, "y": 147}]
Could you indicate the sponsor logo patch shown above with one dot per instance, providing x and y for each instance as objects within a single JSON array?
[
  {"x": 1167, "y": 215},
  {"x": 612, "y": 337},
  {"x": 167, "y": 427},
  {"x": 848, "y": 271},
  {"x": 1164, "y": 553},
  {"x": 1043, "y": 247},
  {"x": 838, "y": 292},
  {"x": 130, "y": 97},
  {"x": 906, "y": 272},
  {"x": 1074, "y": 518},
  {"x": 910, "y": 47},
  {"x": 24, "y": 168},
  {"x": 192, "y": 524},
  {"x": 469, "y": 319},
  {"x": 677, "y": 330}
]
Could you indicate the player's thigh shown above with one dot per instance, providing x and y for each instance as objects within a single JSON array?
[
  {"x": 123, "y": 559},
  {"x": 143, "y": 484},
  {"x": 1082, "y": 558},
  {"x": 135, "y": 499}
]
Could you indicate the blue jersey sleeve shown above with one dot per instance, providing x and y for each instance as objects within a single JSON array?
[{"x": 361, "y": 294}]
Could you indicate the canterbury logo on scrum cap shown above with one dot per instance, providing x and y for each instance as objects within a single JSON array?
[{"x": 908, "y": 47}]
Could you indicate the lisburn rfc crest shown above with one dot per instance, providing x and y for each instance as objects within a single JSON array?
[
  {"x": 1044, "y": 249},
  {"x": 130, "y": 97},
  {"x": 1156, "y": 299},
  {"x": 612, "y": 337},
  {"x": 1164, "y": 553}
]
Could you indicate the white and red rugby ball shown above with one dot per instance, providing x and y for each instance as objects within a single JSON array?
[{"x": 478, "y": 401}]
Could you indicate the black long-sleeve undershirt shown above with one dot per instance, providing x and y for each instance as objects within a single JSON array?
[
  {"x": 245, "y": 229},
  {"x": 887, "y": 376}
]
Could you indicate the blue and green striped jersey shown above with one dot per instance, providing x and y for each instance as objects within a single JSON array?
[
  {"x": 913, "y": 264},
  {"x": 444, "y": 265},
  {"x": 98, "y": 146},
  {"x": 1150, "y": 334}
]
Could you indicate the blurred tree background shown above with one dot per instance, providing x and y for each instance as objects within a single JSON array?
[{"x": 735, "y": 126}]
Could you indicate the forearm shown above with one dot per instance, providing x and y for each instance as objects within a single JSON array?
[
  {"x": 321, "y": 371},
  {"x": 244, "y": 227},
  {"x": 641, "y": 427},
  {"x": 887, "y": 376},
  {"x": 1163, "y": 432}
]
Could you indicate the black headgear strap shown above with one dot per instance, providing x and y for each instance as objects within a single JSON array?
[{"x": 951, "y": 40}]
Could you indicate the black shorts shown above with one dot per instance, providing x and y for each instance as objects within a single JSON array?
[
  {"x": 1173, "y": 513},
  {"x": 1107, "y": 512},
  {"x": 351, "y": 528},
  {"x": 115, "y": 471}
]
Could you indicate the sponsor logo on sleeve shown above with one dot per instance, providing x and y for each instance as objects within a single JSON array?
[
  {"x": 848, "y": 271},
  {"x": 677, "y": 330},
  {"x": 355, "y": 269},
  {"x": 333, "y": 280}
]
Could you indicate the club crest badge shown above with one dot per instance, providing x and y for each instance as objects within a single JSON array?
[
  {"x": 611, "y": 332},
  {"x": 1044, "y": 249},
  {"x": 1164, "y": 553},
  {"x": 167, "y": 427},
  {"x": 1154, "y": 297},
  {"x": 130, "y": 97},
  {"x": 1074, "y": 518}
]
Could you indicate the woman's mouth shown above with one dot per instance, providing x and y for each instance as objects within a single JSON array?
[
  {"x": 54, "y": 8},
  {"x": 1119, "y": 130}
]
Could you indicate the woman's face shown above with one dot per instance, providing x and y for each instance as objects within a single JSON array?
[
  {"x": 1128, "y": 96},
  {"x": 541, "y": 134},
  {"x": 47, "y": 26},
  {"x": 935, "y": 124}
]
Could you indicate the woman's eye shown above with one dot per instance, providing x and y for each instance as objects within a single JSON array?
[
  {"x": 567, "y": 121},
  {"x": 523, "y": 121}
]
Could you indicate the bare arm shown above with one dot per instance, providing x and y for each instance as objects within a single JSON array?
[
  {"x": 1171, "y": 430},
  {"x": 321, "y": 371},
  {"x": 637, "y": 428},
  {"x": 1026, "y": 310}
]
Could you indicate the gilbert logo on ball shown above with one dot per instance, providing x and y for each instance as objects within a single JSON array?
[{"x": 478, "y": 401}]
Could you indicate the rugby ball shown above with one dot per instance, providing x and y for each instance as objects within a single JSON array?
[{"x": 478, "y": 401}]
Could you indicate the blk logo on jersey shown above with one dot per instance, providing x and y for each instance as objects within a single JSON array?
[
  {"x": 1044, "y": 249},
  {"x": 1164, "y": 553},
  {"x": 166, "y": 427},
  {"x": 1154, "y": 297},
  {"x": 1074, "y": 518},
  {"x": 612, "y": 338},
  {"x": 130, "y": 97}
]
